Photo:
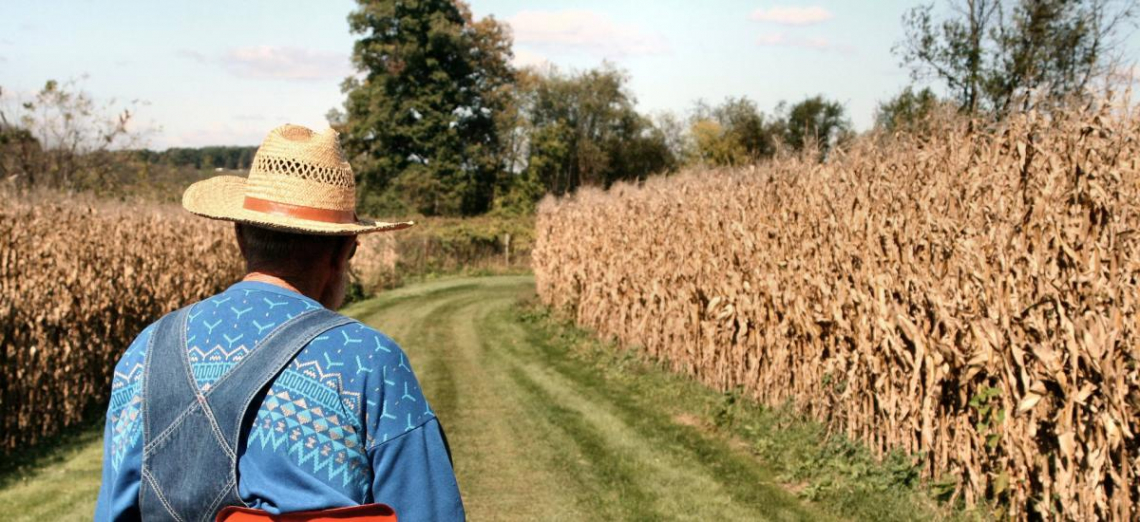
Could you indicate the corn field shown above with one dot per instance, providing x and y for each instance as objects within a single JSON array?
[
  {"x": 970, "y": 298},
  {"x": 77, "y": 283},
  {"x": 80, "y": 278}
]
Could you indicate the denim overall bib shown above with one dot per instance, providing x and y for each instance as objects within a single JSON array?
[{"x": 191, "y": 436}]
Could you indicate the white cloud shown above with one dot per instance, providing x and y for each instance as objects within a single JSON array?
[
  {"x": 816, "y": 43},
  {"x": 528, "y": 58},
  {"x": 793, "y": 15},
  {"x": 286, "y": 63},
  {"x": 583, "y": 31}
]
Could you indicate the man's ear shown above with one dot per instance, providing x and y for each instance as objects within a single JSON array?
[
  {"x": 344, "y": 253},
  {"x": 240, "y": 240}
]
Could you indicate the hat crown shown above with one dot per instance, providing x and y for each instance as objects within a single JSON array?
[
  {"x": 299, "y": 182},
  {"x": 298, "y": 166}
]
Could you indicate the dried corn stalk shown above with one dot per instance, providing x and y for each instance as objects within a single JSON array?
[
  {"x": 972, "y": 297},
  {"x": 77, "y": 284}
]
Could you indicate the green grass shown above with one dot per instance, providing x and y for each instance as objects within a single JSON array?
[
  {"x": 838, "y": 475},
  {"x": 60, "y": 483},
  {"x": 547, "y": 423}
]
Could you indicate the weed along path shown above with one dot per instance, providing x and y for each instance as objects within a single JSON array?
[{"x": 538, "y": 431}]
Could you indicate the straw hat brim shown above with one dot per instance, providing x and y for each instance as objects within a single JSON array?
[{"x": 222, "y": 198}]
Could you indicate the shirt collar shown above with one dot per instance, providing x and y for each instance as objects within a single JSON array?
[{"x": 266, "y": 287}]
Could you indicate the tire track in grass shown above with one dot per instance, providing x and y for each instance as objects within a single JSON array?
[
  {"x": 494, "y": 457},
  {"x": 539, "y": 436},
  {"x": 680, "y": 473},
  {"x": 602, "y": 459},
  {"x": 607, "y": 474},
  {"x": 700, "y": 457}
]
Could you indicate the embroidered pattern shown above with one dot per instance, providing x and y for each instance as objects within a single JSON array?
[
  {"x": 348, "y": 390},
  {"x": 126, "y": 400},
  {"x": 311, "y": 432}
]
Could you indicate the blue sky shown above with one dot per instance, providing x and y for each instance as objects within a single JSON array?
[{"x": 211, "y": 72}]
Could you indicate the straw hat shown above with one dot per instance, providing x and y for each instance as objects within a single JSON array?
[{"x": 299, "y": 182}]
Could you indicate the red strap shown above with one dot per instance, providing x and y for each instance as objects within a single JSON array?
[
  {"x": 365, "y": 513},
  {"x": 323, "y": 215}
]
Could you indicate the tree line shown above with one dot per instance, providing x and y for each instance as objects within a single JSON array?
[
  {"x": 436, "y": 120},
  {"x": 210, "y": 157},
  {"x": 62, "y": 138}
]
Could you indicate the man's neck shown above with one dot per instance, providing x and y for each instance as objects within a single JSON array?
[{"x": 306, "y": 288}]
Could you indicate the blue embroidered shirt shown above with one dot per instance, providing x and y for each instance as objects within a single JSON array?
[{"x": 344, "y": 424}]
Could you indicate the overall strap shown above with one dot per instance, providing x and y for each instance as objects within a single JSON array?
[
  {"x": 231, "y": 396},
  {"x": 168, "y": 385},
  {"x": 191, "y": 435}
]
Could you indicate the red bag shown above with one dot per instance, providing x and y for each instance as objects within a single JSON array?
[{"x": 365, "y": 513}]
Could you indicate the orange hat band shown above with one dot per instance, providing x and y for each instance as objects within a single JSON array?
[{"x": 323, "y": 215}]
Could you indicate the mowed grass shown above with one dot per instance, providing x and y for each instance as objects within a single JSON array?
[
  {"x": 60, "y": 483},
  {"x": 537, "y": 436},
  {"x": 536, "y": 439},
  {"x": 546, "y": 423}
]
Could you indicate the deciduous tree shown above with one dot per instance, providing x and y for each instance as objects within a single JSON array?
[
  {"x": 419, "y": 120},
  {"x": 815, "y": 121},
  {"x": 732, "y": 133},
  {"x": 990, "y": 53},
  {"x": 63, "y": 138},
  {"x": 907, "y": 111},
  {"x": 585, "y": 130}
]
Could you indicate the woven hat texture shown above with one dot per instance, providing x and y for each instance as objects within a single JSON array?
[{"x": 299, "y": 182}]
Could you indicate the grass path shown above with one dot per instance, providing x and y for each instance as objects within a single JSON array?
[
  {"x": 538, "y": 432},
  {"x": 539, "y": 435}
]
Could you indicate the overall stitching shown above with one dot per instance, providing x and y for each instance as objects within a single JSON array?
[
  {"x": 300, "y": 335},
  {"x": 143, "y": 484},
  {"x": 309, "y": 333},
  {"x": 193, "y": 405},
  {"x": 199, "y": 398},
  {"x": 231, "y": 485},
  {"x": 217, "y": 431},
  {"x": 142, "y": 384},
  {"x": 279, "y": 360},
  {"x": 161, "y": 437},
  {"x": 163, "y": 325},
  {"x": 158, "y": 493}
]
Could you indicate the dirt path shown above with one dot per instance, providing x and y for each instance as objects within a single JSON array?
[{"x": 535, "y": 433}]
